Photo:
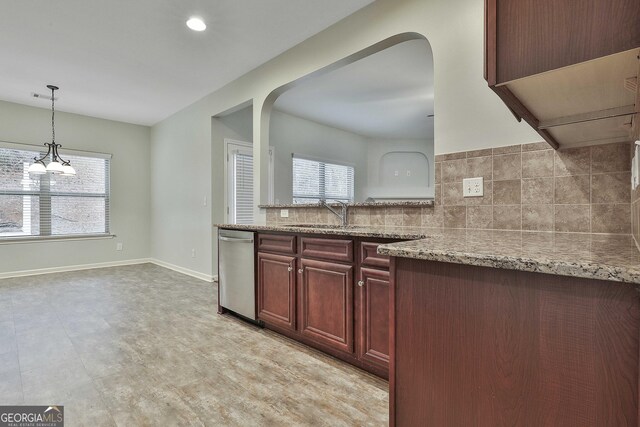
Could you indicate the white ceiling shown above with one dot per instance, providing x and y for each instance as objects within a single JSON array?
[
  {"x": 386, "y": 95},
  {"x": 135, "y": 60}
]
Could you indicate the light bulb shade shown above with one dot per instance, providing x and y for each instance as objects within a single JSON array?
[
  {"x": 54, "y": 167},
  {"x": 37, "y": 169},
  {"x": 68, "y": 170}
]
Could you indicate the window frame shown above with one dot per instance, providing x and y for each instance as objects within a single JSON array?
[
  {"x": 45, "y": 197},
  {"x": 321, "y": 178}
]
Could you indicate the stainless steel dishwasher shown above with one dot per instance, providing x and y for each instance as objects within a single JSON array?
[{"x": 236, "y": 272}]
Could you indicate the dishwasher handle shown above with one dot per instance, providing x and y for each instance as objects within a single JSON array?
[{"x": 231, "y": 239}]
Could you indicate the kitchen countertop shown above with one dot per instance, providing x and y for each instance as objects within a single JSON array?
[
  {"x": 382, "y": 204},
  {"x": 592, "y": 256},
  {"x": 400, "y": 233}
]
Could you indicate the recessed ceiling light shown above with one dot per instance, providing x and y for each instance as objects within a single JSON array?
[{"x": 196, "y": 24}]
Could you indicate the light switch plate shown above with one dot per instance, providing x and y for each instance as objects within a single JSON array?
[
  {"x": 284, "y": 213},
  {"x": 472, "y": 187}
]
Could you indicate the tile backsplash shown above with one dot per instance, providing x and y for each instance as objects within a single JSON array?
[{"x": 526, "y": 187}]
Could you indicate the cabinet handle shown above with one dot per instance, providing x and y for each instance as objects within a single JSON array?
[
  {"x": 290, "y": 269},
  {"x": 360, "y": 283},
  {"x": 300, "y": 270}
]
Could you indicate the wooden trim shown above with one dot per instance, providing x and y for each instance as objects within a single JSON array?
[
  {"x": 490, "y": 42},
  {"x": 518, "y": 108},
  {"x": 392, "y": 342}
]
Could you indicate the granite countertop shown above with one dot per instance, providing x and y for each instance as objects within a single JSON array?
[
  {"x": 400, "y": 233},
  {"x": 390, "y": 203},
  {"x": 593, "y": 256}
]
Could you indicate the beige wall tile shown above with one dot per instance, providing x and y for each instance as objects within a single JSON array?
[
  {"x": 507, "y": 192},
  {"x": 537, "y": 217},
  {"x": 452, "y": 156},
  {"x": 453, "y": 170},
  {"x": 437, "y": 198},
  {"x": 611, "y": 158},
  {"x": 507, "y": 217},
  {"x": 272, "y": 217},
  {"x": 537, "y": 191},
  {"x": 507, "y": 149},
  {"x": 487, "y": 197},
  {"x": 438, "y": 168},
  {"x": 572, "y": 189},
  {"x": 433, "y": 217},
  {"x": 534, "y": 146},
  {"x": 574, "y": 161},
  {"x": 359, "y": 216},
  {"x": 376, "y": 216},
  {"x": 393, "y": 217},
  {"x": 573, "y": 218},
  {"x": 455, "y": 216},
  {"x": 452, "y": 194},
  {"x": 411, "y": 217},
  {"x": 508, "y": 166},
  {"x": 479, "y": 167},
  {"x": 611, "y": 218},
  {"x": 480, "y": 217},
  {"x": 479, "y": 153},
  {"x": 611, "y": 188},
  {"x": 537, "y": 164}
]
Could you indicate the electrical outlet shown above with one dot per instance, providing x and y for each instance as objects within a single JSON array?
[
  {"x": 204, "y": 201},
  {"x": 472, "y": 187},
  {"x": 118, "y": 246},
  {"x": 193, "y": 253},
  {"x": 284, "y": 213}
]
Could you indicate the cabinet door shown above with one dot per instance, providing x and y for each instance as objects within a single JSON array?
[
  {"x": 326, "y": 303},
  {"x": 372, "y": 302},
  {"x": 277, "y": 290}
]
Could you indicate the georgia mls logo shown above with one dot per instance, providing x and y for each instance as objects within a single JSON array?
[{"x": 32, "y": 416}]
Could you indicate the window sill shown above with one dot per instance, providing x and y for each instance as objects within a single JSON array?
[{"x": 37, "y": 239}]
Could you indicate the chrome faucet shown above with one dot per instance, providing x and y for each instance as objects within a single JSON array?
[{"x": 344, "y": 218}]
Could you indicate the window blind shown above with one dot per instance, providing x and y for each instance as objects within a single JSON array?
[
  {"x": 243, "y": 187},
  {"x": 315, "y": 180},
  {"x": 53, "y": 205}
]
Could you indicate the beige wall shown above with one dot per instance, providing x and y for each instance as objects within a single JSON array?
[
  {"x": 130, "y": 186},
  {"x": 467, "y": 114}
]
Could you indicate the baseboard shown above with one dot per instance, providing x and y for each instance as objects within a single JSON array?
[
  {"x": 35, "y": 272},
  {"x": 188, "y": 272}
]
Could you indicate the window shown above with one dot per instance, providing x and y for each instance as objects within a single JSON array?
[
  {"x": 52, "y": 205},
  {"x": 240, "y": 181},
  {"x": 315, "y": 180}
]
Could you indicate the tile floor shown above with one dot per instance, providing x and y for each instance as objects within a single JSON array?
[{"x": 143, "y": 345}]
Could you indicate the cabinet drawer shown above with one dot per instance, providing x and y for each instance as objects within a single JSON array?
[
  {"x": 331, "y": 249},
  {"x": 369, "y": 256},
  {"x": 279, "y": 243}
]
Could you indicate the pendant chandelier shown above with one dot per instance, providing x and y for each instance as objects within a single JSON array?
[{"x": 57, "y": 165}]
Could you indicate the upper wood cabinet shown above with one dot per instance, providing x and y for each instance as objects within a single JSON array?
[{"x": 568, "y": 68}]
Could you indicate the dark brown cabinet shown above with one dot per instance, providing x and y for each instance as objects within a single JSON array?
[
  {"x": 277, "y": 290},
  {"x": 326, "y": 303},
  {"x": 373, "y": 316},
  {"x": 568, "y": 68},
  {"x": 309, "y": 289},
  {"x": 479, "y": 346}
]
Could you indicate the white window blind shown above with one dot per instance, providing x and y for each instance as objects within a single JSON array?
[
  {"x": 242, "y": 187},
  {"x": 53, "y": 205},
  {"x": 315, "y": 180}
]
